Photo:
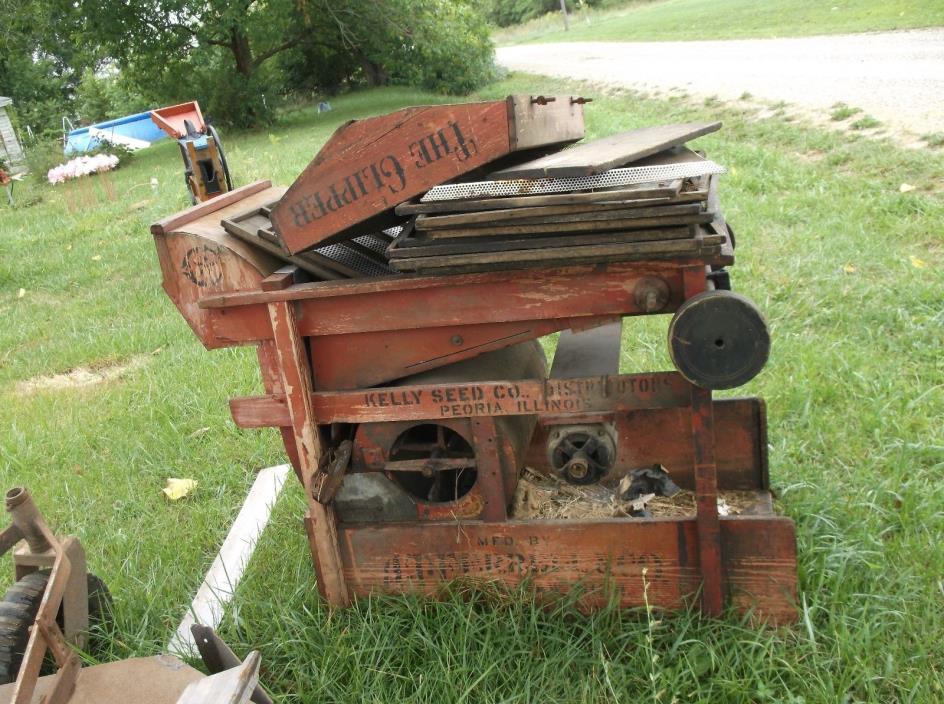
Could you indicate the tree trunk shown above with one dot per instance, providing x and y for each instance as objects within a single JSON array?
[
  {"x": 376, "y": 75},
  {"x": 241, "y": 52}
]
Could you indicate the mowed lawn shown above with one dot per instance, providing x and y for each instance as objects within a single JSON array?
[
  {"x": 849, "y": 270},
  {"x": 660, "y": 20}
]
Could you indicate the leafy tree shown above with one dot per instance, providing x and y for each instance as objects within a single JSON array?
[
  {"x": 105, "y": 95},
  {"x": 41, "y": 59},
  {"x": 441, "y": 45},
  {"x": 235, "y": 55}
]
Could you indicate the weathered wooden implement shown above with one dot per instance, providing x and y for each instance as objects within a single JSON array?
[
  {"x": 206, "y": 172},
  {"x": 47, "y": 613},
  {"x": 411, "y": 403}
]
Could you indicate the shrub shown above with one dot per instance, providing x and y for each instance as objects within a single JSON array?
[
  {"x": 449, "y": 50},
  {"x": 105, "y": 97},
  {"x": 44, "y": 154}
]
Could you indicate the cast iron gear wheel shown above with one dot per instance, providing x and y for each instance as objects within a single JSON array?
[{"x": 581, "y": 457}]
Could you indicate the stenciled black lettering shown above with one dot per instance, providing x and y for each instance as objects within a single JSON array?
[
  {"x": 466, "y": 148},
  {"x": 392, "y": 163}
]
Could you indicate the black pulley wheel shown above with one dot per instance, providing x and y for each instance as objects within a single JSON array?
[
  {"x": 719, "y": 340},
  {"x": 211, "y": 130}
]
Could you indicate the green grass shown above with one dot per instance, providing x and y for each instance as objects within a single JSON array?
[
  {"x": 841, "y": 112},
  {"x": 934, "y": 139},
  {"x": 850, "y": 273},
  {"x": 866, "y": 122},
  {"x": 727, "y": 19}
]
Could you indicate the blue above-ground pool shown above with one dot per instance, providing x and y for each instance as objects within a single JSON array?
[{"x": 139, "y": 126}]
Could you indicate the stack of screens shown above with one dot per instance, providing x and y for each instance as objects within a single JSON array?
[
  {"x": 359, "y": 257},
  {"x": 636, "y": 196}
]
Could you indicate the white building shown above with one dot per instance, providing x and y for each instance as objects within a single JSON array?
[{"x": 10, "y": 149}]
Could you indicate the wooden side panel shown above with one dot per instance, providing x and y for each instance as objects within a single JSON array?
[
  {"x": 199, "y": 259},
  {"x": 536, "y": 125},
  {"x": 387, "y": 304},
  {"x": 385, "y": 161},
  {"x": 361, "y": 360},
  {"x": 604, "y": 558},
  {"x": 195, "y": 266}
]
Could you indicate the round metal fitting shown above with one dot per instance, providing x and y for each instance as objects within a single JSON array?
[
  {"x": 651, "y": 294},
  {"x": 581, "y": 454},
  {"x": 719, "y": 340}
]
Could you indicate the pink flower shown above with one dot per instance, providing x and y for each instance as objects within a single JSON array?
[{"x": 81, "y": 166}]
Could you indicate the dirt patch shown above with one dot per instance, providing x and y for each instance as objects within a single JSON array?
[
  {"x": 545, "y": 497},
  {"x": 894, "y": 77},
  {"x": 81, "y": 377}
]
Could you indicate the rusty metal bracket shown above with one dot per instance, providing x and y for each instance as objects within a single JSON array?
[
  {"x": 327, "y": 480},
  {"x": 430, "y": 465}
]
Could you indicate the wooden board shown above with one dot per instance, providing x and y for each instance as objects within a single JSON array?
[
  {"x": 179, "y": 220},
  {"x": 581, "y": 254},
  {"x": 601, "y": 155},
  {"x": 347, "y": 260},
  {"x": 553, "y": 213},
  {"x": 645, "y": 194},
  {"x": 623, "y": 223},
  {"x": 533, "y": 125},
  {"x": 614, "y": 559},
  {"x": 412, "y": 247},
  {"x": 369, "y": 166}
]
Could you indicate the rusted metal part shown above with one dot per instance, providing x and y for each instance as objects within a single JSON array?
[
  {"x": 28, "y": 522},
  {"x": 331, "y": 468},
  {"x": 429, "y": 466},
  {"x": 651, "y": 294},
  {"x": 582, "y": 454}
]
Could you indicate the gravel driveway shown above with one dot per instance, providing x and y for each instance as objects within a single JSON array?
[{"x": 897, "y": 77}]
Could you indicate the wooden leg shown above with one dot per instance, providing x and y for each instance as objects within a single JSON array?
[
  {"x": 706, "y": 499},
  {"x": 75, "y": 599},
  {"x": 694, "y": 281},
  {"x": 272, "y": 382},
  {"x": 488, "y": 463},
  {"x": 297, "y": 385}
]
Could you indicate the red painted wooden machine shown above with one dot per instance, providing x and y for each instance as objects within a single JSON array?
[{"x": 410, "y": 404}]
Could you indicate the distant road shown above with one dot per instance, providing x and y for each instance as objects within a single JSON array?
[{"x": 897, "y": 77}]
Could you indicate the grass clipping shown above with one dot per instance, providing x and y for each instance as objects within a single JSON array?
[{"x": 541, "y": 496}]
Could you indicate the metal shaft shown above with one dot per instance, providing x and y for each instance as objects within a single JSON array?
[{"x": 27, "y": 518}]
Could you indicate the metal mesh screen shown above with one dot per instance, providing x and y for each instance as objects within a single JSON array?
[{"x": 614, "y": 177}]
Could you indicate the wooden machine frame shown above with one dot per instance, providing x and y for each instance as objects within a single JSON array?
[{"x": 326, "y": 349}]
